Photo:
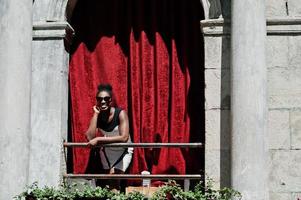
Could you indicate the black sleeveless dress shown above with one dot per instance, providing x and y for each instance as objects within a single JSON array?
[{"x": 117, "y": 157}]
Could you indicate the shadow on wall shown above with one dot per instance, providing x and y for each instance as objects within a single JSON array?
[
  {"x": 214, "y": 9},
  {"x": 225, "y": 118},
  {"x": 217, "y": 8}
]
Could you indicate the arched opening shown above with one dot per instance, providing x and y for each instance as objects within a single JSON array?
[{"x": 152, "y": 52}]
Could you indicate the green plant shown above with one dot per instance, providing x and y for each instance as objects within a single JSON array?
[
  {"x": 173, "y": 191},
  {"x": 208, "y": 192},
  {"x": 34, "y": 192},
  {"x": 66, "y": 192},
  {"x": 170, "y": 191},
  {"x": 136, "y": 196}
]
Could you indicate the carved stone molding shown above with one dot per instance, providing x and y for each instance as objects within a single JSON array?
[
  {"x": 52, "y": 30},
  {"x": 275, "y": 26}
]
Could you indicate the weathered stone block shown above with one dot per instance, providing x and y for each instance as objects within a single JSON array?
[
  {"x": 217, "y": 91},
  {"x": 295, "y": 122},
  {"x": 212, "y": 166},
  {"x": 285, "y": 173},
  {"x": 284, "y": 87},
  {"x": 212, "y": 89},
  {"x": 294, "y": 7},
  {"x": 213, "y": 52},
  {"x": 218, "y": 167},
  {"x": 217, "y": 52},
  {"x": 279, "y": 129},
  {"x": 48, "y": 74},
  {"x": 276, "y": 8},
  {"x": 45, "y": 162},
  {"x": 294, "y": 44},
  {"x": 213, "y": 129},
  {"x": 218, "y": 129},
  {"x": 277, "y": 51},
  {"x": 49, "y": 111}
]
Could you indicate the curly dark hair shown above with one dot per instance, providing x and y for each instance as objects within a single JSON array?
[{"x": 105, "y": 87}]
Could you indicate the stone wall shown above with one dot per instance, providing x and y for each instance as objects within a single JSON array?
[
  {"x": 217, "y": 105},
  {"x": 217, "y": 91},
  {"x": 50, "y": 62},
  {"x": 284, "y": 81},
  {"x": 283, "y": 47}
]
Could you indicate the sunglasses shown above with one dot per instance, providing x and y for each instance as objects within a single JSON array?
[{"x": 106, "y": 99}]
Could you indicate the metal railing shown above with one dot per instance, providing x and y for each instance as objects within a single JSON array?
[
  {"x": 140, "y": 145},
  {"x": 185, "y": 177}
]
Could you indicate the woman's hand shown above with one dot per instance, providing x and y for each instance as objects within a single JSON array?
[
  {"x": 96, "y": 109},
  {"x": 93, "y": 142}
]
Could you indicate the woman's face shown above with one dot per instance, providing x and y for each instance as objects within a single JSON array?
[{"x": 103, "y": 100}]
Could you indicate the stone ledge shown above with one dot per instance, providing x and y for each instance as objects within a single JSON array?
[
  {"x": 275, "y": 26},
  {"x": 52, "y": 30},
  {"x": 216, "y": 27}
]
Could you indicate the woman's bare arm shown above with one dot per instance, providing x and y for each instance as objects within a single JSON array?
[
  {"x": 123, "y": 132},
  {"x": 91, "y": 132}
]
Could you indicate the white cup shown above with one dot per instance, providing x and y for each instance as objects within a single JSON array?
[{"x": 145, "y": 181}]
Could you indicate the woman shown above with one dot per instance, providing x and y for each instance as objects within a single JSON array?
[{"x": 113, "y": 125}]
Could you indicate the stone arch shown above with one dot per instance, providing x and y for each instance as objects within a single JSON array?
[
  {"x": 62, "y": 10},
  {"x": 52, "y": 10}
]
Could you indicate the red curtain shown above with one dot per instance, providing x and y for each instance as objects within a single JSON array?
[{"x": 151, "y": 52}]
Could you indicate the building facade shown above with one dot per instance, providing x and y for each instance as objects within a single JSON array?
[{"x": 253, "y": 94}]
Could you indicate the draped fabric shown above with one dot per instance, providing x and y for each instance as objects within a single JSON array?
[{"x": 151, "y": 52}]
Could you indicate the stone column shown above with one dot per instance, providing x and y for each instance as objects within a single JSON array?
[
  {"x": 15, "y": 84},
  {"x": 49, "y": 104},
  {"x": 249, "y": 99},
  {"x": 49, "y": 92}
]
